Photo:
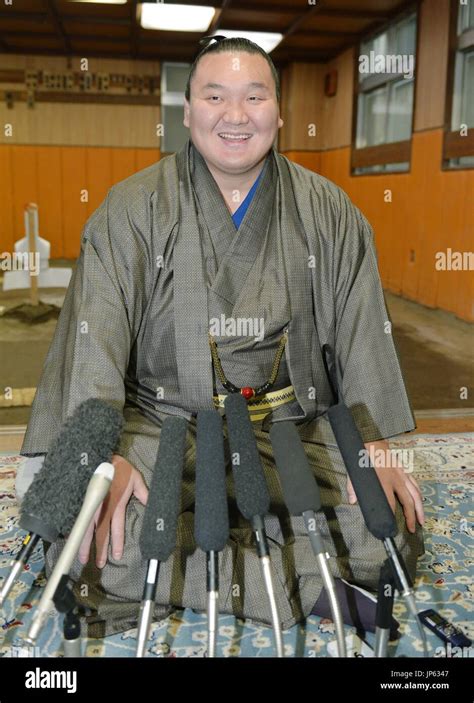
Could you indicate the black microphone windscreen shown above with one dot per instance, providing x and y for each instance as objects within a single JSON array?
[
  {"x": 251, "y": 489},
  {"x": 211, "y": 516},
  {"x": 160, "y": 522},
  {"x": 53, "y": 501},
  {"x": 373, "y": 502},
  {"x": 300, "y": 490}
]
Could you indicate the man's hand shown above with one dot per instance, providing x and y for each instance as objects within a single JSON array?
[
  {"x": 109, "y": 519},
  {"x": 396, "y": 484}
]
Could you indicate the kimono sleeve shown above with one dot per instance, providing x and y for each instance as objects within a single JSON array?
[
  {"x": 370, "y": 377},
  {"x": 89, "y": 353}
]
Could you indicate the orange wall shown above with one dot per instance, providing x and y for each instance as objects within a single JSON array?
[
  {"x": 53, "y": 177},
  {"x": 431, "y": 211}
]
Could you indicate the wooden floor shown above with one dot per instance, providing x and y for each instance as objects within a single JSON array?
[{"x": 428, "y": 422}]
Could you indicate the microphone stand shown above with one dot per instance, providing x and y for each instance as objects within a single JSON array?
[
  {"x": 404, "y": 585},
  {"x": 212, "y": 600},
  {"x": 263, "y": 551},
  {"x": 146, "y": 607},
  {"x": 17, "y": 564},
  {"x": 322, "y": 556},
  {"x": 384, "y": 611}
]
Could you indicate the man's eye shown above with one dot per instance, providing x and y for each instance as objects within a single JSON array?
[
  {"x": 214, "y": 98},
  {"x": 255, "y": 98}
]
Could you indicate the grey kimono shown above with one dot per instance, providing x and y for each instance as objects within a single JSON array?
[{"x": 161, "y": 257}]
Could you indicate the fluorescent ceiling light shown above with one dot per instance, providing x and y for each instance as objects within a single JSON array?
[
  {"x": 176, "y": 18},
  {"x": 266, "y": 40}
]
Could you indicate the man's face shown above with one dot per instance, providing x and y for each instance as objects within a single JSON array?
[{"x": 233, "y": 113}]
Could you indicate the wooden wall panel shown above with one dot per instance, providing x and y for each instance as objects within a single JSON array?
[
  {"x": 24, "y": 185},
  {"x": 302, "y": 88},
  {"x": 6, "y": 200},
  {"x": 49, "y": 196},
  {"x": 337, "y": 110},
  {"x": 75, "y": 210},
  {"x": 123, "y": 164},
  {"x": 80, "y": 124},
  {"x": 98, "y": 176},
  {"x": 432, "y": 64},
  {"x": 308, "y": 159},
  {"x": 431, "y": 211},
  {"x": 145, "y": 158},
  {"x": 67, "y": 183}
]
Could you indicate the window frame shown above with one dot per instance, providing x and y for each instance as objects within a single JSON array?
[
  {"x": 169, "y": 98},
  {"x": 455, "y": 146},
  {"x": 389, "y": 152}
]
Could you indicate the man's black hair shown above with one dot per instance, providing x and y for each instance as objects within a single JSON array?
[{"x": 231, "y": 44}]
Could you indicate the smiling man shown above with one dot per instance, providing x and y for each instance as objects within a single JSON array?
[{"x": 228, "y": 229}]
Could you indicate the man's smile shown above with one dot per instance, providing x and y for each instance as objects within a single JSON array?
[{"x": 234, "y": 137}]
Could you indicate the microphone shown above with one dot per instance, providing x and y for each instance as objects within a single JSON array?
[
  {"x": 253, "y": 499},
  {"x": 96, "y": 492},
  {"x": 160, "y": 521},
  {"x": 302, "y": 497},
  {"x": 373, "y": 502},
  {"x": 87, "y": 438},
  {"x": 211, "y": 516}
]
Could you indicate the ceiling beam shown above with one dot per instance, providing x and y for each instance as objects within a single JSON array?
[
  {"x": 57, "y": 24},
  {"x": 291, "y": 29},
  {"x": 133, "y": 19},
  {"x": 216, "y": 20},
  {"x": 355, "y": 14}
]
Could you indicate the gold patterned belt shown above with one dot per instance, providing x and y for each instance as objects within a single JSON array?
[{"x": 260, "y": 405}]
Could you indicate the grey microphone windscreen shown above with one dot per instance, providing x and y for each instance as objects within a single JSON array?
[
  {"x": 251, "y": 489},
  {"x": 160, "y": 522},
  {"x": 53, "y": 501},
  {"x": 373, "y": 502},
  {"x": 211, "y": 515},
  {"x": 300, "y": 490}
]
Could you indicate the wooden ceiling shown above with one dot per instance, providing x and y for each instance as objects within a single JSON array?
[{"x": 312, "y": 32}]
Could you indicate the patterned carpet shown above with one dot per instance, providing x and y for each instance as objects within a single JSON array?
[{"x": 444, "y": 466}]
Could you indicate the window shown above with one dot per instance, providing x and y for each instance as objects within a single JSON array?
[
  {"x": 173, "y": 84},
  {"x": 384, "y": 102},
  {"x": 458, "y": 148}
]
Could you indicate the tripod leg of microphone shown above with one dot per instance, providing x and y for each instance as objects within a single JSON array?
[
  {"x": 404, "y": 586},
  {"x": 17, "y": 565},
  {"x": 328, "y": 580},
  {"x": 212, "y": 601},
  {"x": 267, "y": 576},
  {"x": 330, "y": 587},
  {"x": 265, "y": 563},
  {"x": 146, "y": 607}
]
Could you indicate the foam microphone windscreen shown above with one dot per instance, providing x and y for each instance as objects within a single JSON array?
[
  {"x": 211, "y": 515},
  {"x": 300, "y": 490},
  {"x": 373, "y": 502},
  {"x": 251, "y": 489},
  {"x": 160, "y": 522},
  {"x": 53, "y": 501}
]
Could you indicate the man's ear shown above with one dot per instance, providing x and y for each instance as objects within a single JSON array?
[
  {"x": 186, "y": 113},
  {"x": 280, "y": 122}
]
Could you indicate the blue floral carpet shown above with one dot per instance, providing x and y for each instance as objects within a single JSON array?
[{"x": 444, "y": 467}]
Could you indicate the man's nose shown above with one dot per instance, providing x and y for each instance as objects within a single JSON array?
[{"x": 236, "y": 114}]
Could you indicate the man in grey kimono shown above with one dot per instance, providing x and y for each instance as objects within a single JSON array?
[{"x": 162, "y": 259}]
